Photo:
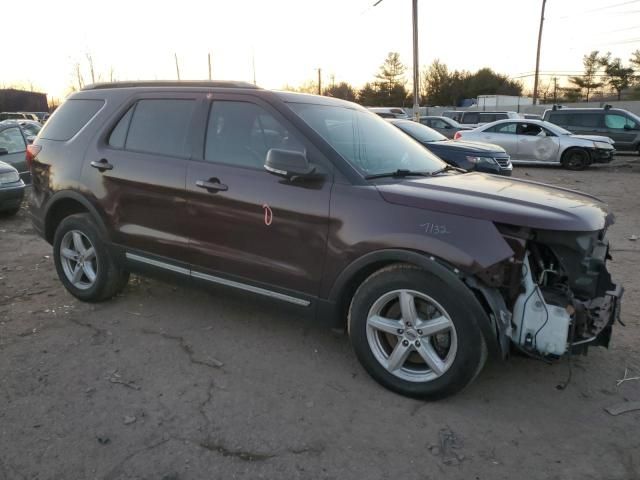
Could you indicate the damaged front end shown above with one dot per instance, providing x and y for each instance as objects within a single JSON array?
[{"x": 555, "y": 295}]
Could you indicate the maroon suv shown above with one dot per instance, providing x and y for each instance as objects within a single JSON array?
[{"x": 322, "y": 205}]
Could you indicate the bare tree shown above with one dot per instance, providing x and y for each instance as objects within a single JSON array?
[
  {"x": 91, "y": 69},
  {"x": 588, "y": 81}
]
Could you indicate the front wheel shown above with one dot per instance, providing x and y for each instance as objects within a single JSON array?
[
  {"x": 84, "y": 262},
  {"x": 576, "y": 159},
  {"x": 413, "y": 335}
]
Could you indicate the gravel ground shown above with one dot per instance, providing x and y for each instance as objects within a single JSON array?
[{"x": 165, "y": 382}]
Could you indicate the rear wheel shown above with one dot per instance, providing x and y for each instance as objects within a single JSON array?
[
  {"x": 575, "y": 159},
  {"x": 84, "y": 263},
  {"x": 413, "y": 335}
]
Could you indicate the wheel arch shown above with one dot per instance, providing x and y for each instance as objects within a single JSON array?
[
  {"x": 571, "y": 148},
  {"x": 65, "y": 203},
  {"x": 360, "y": 269}
]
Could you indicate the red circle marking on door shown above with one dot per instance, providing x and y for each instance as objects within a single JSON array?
[{"x": 268, "y": 215}]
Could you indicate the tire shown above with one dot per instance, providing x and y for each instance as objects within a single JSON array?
[
  {"x": 576, "y": 159},
  {"x": 98, "y": 276},
  {"x": 375, "y": 313}
]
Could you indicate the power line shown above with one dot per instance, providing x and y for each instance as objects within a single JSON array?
[
  {"x": 611, "y": 6},
  {"x": 581, "y": 14}
]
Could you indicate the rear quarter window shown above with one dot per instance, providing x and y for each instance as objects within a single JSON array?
[
  {"x": 69, "y": 118},
  {"x": 559, "y": 118}
]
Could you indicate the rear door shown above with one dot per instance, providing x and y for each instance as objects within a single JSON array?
[
  {"x": 622, "y": 129},
  {"x": 12, "y": 140},
  {"x": 536, "y": 143},
  {"x": 249, "y": 227},
  {"x": 503, "y": 134},
  {"x": 137, "y": 171}
]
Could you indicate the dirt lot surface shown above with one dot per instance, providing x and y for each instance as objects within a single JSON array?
[{"x": 171, "y": 383}]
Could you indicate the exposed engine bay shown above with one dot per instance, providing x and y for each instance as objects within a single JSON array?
[{"x": 556, "y": 290}]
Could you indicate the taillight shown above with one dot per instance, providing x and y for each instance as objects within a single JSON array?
[
  {"x": 457, "y": 136},
  {"x": 32, "y": 153}
]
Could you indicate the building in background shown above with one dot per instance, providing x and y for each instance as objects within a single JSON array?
[
  {"x": 12, "y": 100},
  {"x": 502, "y": 102}
]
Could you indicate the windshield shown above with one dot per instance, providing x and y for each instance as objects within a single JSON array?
[
  {"x": 367, "y": 141},
  {"x": 420, "y": 132}
]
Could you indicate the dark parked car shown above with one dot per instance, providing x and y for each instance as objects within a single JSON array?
[
  {"x": 11, "y": 190},
  {"x": 319, "y": 204},
  {"x": 30, "y": 128},
  {"x": 13, "y": 148},
  {"x": 482, "y": 157},
  {"x": 443, "y": 125},
  {"x": 622, "y": 126}
]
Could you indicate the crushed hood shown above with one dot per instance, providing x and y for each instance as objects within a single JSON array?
[
  {"x": 594, "y": 138},
  {"x": 502, "y": 200}
]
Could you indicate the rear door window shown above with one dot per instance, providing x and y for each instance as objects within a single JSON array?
[
  {"x": 529, "y": 129},
  {"x": 158, "y": 126},
  {"x": 69, "y": 118}
]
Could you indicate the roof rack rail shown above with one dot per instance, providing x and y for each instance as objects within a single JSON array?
[{"x": 170, "y": 83}]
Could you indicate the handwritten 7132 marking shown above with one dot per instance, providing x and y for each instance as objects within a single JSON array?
[{"x": 434, "y": 229}]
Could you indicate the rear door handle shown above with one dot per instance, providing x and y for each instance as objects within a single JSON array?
[
  {"x": 212, "y": 185},
  {"x": 102, "y": 165}
]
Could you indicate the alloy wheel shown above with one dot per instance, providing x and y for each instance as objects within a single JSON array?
[
  {"x": 78, "y": 259},
  {"x": 411, "y": 335}
]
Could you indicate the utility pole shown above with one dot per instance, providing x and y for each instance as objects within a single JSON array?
[
  {"x": 416, "y": 71},
  {"x": 209, "y": 59},
  {"x": 177, "y": 67},
  {"x": 535, "y": 80},
  {"x": 319, "y": 81},
  {"x": 555, "y": 90}
]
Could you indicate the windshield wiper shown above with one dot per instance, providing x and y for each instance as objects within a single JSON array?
[
  {"x": 447, "y": 168},
  {"x": 400, "y": 173}
]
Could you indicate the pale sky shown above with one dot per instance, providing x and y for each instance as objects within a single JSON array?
[{"x": 291, "y": 38}]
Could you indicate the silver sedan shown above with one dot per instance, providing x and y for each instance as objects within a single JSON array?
[{"x": 539, "y": 142}]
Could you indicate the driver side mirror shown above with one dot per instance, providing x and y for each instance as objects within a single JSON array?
[
  {"x": 629, "y": 127},
  {"x": 4, "y": 151},
  {"x": 289, "y": 164}
]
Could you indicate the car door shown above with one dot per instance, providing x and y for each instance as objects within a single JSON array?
[
  {"x": 622, "y": 129},
  {"x": 249, "y": 227},
  {"x": 536, "y": 143},
  {"x": 13, "y": 148},
  {"x": 137, "y": 170},
  {"x": 503, "y": 134}
]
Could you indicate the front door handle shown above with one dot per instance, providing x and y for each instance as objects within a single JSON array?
[
  {"x": 102, "y": 165},
  {"x": 212, "y": 185}
]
